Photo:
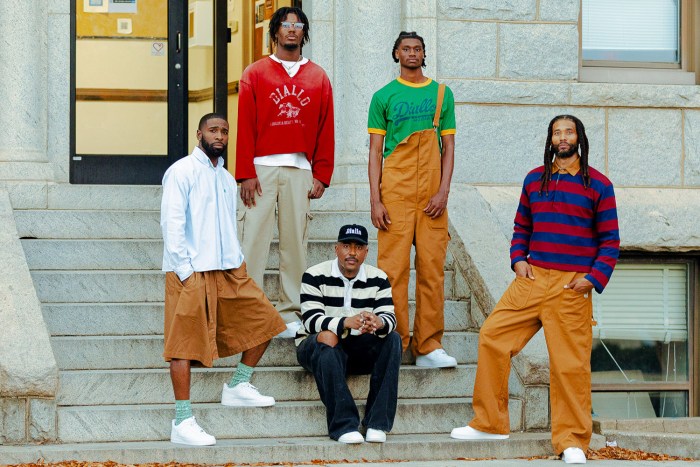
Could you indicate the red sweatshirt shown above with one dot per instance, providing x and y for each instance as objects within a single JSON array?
[{"x": 278, "y": 114}]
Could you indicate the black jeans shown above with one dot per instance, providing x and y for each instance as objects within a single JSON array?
[{"x": 355, "y": 355}]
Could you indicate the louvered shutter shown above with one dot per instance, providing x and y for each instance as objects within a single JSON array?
[
  {"x": 644, "y": 302},
  {"x": 630, "y": 30}
]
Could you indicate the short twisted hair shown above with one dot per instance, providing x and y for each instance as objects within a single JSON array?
[{"x": 407, "y": 35}]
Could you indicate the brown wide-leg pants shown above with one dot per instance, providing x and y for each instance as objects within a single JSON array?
[
  {"x": 410, "y": 177},
  {"x": 525, "y": 307}
]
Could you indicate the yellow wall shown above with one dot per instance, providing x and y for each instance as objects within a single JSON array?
[
  {"x": 150, "y": 20},
  {"x": 138, "y": 128}
]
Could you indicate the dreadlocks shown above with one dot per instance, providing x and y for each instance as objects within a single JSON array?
[
  {"x": 279, "y": 16},
  {"x": 407, "y": 35},
  {"x": 550, "y": 152}
]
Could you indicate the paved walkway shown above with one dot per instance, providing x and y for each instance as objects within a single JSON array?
[{"x": 507, "y": 463}]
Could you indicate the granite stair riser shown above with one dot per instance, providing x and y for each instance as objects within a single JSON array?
[
  {"x": 152, "y": 422},
  {"x": 123, "y": 319},
  {"x": 62, "y": 196},
  {"x": 284, "y": 384},
  {"x": 148, "y": 254},
  {"x": 398, "y": 447},
  {"x": 104, "y": 353},
  {"x": 141, "y": 286},
  {"x": 146, "y": 224}
]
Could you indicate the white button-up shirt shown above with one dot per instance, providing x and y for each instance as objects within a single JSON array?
[{"x": 198, "y": 217}]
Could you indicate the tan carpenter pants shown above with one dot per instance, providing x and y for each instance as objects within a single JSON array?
[
  {"x": 525, "y": 307},
  {"x": 285, "y": 188},
  {"x": 410, "y": 177}
]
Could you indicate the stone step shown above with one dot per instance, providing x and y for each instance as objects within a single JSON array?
[
  {"x": 64, "y": 196},
  {"x": 53, "y": 254},
  {"x": 283, "y": 451},
  {"x": 115, "y": 387},
  {"x": 125, "y": 352},
  {"x": 125, "y": 319},
  {"x": 102, "y": 224},
  {"x": 304, "y": 418},
  {"x": 674, "y": 444},
  {"x": 63, "y": 286}
]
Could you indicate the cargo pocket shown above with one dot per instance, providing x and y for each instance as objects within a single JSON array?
[
  {"x": 518, "y": 293},
  {"x": 307, "y": 220},
  {"x": 240, "y": 218}
]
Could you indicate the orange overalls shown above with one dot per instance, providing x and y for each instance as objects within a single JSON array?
[{"x": 411, "y": 175}]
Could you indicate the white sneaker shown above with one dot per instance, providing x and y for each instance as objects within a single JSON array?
[
  {"x": 469, "y": 433},
  {"x": 573, "y": 456},
  {"x": 189, "y": 432},
  {"x": 352, "y": 437},
  {"x": 438, "y": 358},
  {"x": 375, "y": 436},
  {"x": 244, "y": 395},
  {"x": 291, "y": 331}
]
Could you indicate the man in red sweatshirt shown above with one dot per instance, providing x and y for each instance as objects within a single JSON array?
[{"x": 284, "y": 154}]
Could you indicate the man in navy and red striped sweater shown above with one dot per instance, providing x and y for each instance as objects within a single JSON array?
[{"x": 565, "y": 244}]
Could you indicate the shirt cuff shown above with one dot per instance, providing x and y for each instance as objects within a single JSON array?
[{"x": 183, "y": 272}]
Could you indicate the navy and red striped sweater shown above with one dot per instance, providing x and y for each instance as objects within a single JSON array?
[{"x": 571, "y": 228}]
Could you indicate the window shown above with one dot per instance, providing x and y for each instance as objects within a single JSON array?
[
  {"x": 629, "y": 31},
  {"x": 641, "y": 364},
  {"x": 639, "y": 41}
]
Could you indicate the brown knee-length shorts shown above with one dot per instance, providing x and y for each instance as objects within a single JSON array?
[{"x": 216, "y": 314}]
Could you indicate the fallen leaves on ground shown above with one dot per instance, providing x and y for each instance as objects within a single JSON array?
[
  {"x": 620, "y": 454},
  {"x": 606, "y": 453}
]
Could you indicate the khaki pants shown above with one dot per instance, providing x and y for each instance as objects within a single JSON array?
[
  {"x": 410, "y": 177},
  {"x": 525, "y": 307},
  {"x": 285, "y": 188}
]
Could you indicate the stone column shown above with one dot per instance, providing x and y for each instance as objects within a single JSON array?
[
  {"x": 365, "y": 31},
  {"x": 23, "y": 90}
]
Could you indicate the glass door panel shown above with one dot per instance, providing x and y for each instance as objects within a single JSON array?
[{"x": 200, "y": 68}]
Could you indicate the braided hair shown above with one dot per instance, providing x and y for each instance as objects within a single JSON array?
[
  {"x": 279, "y": 16},
  {"x": 407, "y": 35},
  {"x": 550, "y": 152}
]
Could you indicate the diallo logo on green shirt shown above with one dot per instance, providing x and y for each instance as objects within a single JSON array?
[{"x": 404, "y": 110}]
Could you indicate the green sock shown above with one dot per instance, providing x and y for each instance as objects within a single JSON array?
[
  {"x": 242, "y": 374},
  {"x": 183, "y": 410}
]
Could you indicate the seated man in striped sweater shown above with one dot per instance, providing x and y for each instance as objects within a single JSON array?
[
  {"x": 565, "y": 244},
  {"x": 348, "y": 328}
]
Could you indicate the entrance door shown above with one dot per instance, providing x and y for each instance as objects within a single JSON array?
[{"x": 143, "y": 73}]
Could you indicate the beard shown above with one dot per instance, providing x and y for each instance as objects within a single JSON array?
[
  {"x": 565, "y": 154},
  {"x": 212, "y": 151},
  {"x": 290, "y": 46}
]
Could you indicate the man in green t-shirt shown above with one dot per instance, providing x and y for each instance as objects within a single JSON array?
[{"x": 411, "y": 157}]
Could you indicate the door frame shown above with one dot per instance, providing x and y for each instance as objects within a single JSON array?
[{"x": 148, "y": 170}]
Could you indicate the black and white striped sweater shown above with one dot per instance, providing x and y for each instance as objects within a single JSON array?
[{"x": 323, "y": 297}]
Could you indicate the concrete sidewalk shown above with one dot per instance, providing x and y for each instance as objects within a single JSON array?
[{"x": 506, "y": 463}]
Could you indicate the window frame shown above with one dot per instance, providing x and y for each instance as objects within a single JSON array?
[
  {"x": 692, "y": 386},
  {"x": 600, "y": 71}
]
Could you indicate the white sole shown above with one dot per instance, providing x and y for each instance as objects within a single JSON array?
[
  {"x": 182, "y": 441},
  {"x": 246, "y": 404}
]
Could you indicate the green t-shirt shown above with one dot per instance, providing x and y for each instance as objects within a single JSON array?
[{"x": 401, "y": 108}]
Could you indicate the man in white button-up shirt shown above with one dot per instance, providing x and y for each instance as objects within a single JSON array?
[{"x": 212, "y": 308}]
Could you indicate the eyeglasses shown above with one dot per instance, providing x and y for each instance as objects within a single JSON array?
[{"x": 290, "y": 25}]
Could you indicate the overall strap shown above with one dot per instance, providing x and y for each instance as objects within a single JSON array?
[{"x": 438, "y": 108}]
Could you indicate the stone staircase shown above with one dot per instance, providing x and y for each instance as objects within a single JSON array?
[{"x": 97, "y": 273}]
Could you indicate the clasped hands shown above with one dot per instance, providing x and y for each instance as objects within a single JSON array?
[{"x": 366, "y": 322}]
